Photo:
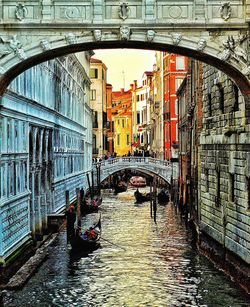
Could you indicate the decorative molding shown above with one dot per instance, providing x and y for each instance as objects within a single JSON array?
[
  {"x": 123, "y": 11},
  {"x": 125, "y": 33},
  {"x": 176, "y": 38},
  {"x": 97, "y": 35},
  {"x": 45, "y": 44},
  {"x": 70, "y": 38},
  {"x": 232, "y": 49},
  {"x": 225, "y": 10},
  {"x": 21, "y": 11},
  {"x": 150, "y": 35},
  {"x": 201, "y": 45}
]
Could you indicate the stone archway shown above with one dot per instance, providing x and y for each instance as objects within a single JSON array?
[{"x": 215, "y": 33}]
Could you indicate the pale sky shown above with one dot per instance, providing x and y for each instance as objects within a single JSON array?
[{"x": 132, "y": 62}]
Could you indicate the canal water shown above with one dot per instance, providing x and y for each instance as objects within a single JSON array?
[{"x": 147, "y": 264}]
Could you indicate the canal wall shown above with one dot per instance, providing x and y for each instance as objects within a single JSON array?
[{"x": 224, "y": 212}]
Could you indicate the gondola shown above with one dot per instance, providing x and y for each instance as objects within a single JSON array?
[
  {"x": 163, "y": 197},
  {"x": 91, "y": 205},
  {"x": 140, "y": 198},
  {"x": 86, "y": 239},
  {"x": 120, "y": 187}
]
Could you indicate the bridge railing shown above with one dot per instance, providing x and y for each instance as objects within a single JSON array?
[{"x": 132, "y": 160}]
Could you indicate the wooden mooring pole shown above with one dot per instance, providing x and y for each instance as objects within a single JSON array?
[
  {"x": 78, "y": 194},
  {"x": 151, "y": 200},
  {"x": 154, "y": 201}
]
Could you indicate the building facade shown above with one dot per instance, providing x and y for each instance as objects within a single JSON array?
[
  {"x": 98, "y": 99},
  {"x": 141, "y": 117},
  {"x": 215, "y": 166},
  {"x": 46, "y": 145},
  {"x": 174, "y": 70}
]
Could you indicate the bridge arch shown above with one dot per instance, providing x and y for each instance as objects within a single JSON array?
[
  {"x": 151, "y": 166},
  {"x": 205, "y": 48}
]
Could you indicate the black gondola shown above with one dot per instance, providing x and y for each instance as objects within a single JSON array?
[
  {"x": 120, "y": 187},
  {"x": 163, "y": 197},
  {"x": 140, "y": 198},
  {"x": 91, "y": 205},
  {"x": 88, "y": 239}
]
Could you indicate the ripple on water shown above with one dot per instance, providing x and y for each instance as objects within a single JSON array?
[{"x": 151, "y": 265}]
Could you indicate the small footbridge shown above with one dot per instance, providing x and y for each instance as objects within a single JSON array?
[{"x": 146, "y": 165}]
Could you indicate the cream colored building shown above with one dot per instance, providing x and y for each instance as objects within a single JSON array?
[{"x": 98, "y": 101}]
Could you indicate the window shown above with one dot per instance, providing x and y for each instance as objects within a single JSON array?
[
  {"x": 138, "y": 117},
  {"x": 123, "y": 123},
  {"x": 176, "y": 107},
  {"x": 180, "y": 63},
  {"x": 217, "y": 201},
  {"x": 93, "y": 73},
  {"x": 118, "y": 139},
  {"x": 118, "y": 122},
  {"x": 209, "y": 101},
  {"x": 236, "y": 98},
  {"x": 221, "y": 97},
  {"x": 128, "y": 142},
  {"x": 207, "y": 179},
  {"x": 178, "y": 82},
  {"x": 92, "y": 94},
  {"x": 142, "y": 139},
  {"x": 231, "y": 187}
]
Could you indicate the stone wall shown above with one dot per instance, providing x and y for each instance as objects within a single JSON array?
[{"x": 225, "y": 169}]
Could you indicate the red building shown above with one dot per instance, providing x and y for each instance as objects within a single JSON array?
[{"x": 175, "y": 70}]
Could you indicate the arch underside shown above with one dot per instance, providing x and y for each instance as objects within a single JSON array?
[
  {"x": 202, "y": 45},
  {"x": 150, "y": 172}
]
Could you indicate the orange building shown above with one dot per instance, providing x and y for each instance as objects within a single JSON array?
[{"x": 175, "y": 70}]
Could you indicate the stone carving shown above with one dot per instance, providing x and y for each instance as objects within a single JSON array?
[
  {"x": 175, "y": 11},
  {"x": 4, "y": 48},
  {"x": 70, "y": 38},
  {"x": 21, "y": 11},
  {"x": 45, "y": 44},
  {"x": 246, "y": 71},
  {"x": 176, "y": 37},
  {"x": 16, "y": 46},
  {"x": 150, "y": 35},
  {"x": 202, "y": 43},
  {"x": 21, "y": 54},
  {"x": 97, "y": 35},
  {"x": 72, "y": 13},
  {"x": 123, "y": 11},
  {"x": 232, "y": 49},
  {"x": 125, "y": 33},
  {"x": 225, "y": 10}
]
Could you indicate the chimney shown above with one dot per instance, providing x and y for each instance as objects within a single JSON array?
[
  {"x": 122, "y": 90},
  {"x": 135, "y": 84}
]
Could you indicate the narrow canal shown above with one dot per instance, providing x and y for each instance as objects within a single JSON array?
[{"x": 150, "y": 265}]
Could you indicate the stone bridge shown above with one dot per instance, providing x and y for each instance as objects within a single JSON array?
[
  {"x": 146, "y": 165},
  {"x": 214, "y": 32}
]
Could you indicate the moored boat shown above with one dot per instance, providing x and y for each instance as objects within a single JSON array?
[
  {"x": 138, "y": 181},
  {"x": 163, "y": 197},
  {"x": 87, "y": 239},
  {"x": 120, "y": 187},
  {"x": 140, "y": 198},
  {"x": 91, "y": 205}
]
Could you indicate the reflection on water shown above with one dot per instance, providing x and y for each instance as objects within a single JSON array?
[{"x": 149, "y": 265}]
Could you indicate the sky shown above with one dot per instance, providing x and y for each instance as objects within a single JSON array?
[{"x": 125, "y": 64}]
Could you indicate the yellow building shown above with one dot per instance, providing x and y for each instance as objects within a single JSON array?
[{"x": 123, "y": 132}]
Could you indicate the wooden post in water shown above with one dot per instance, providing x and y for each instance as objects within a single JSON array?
[
  {"x": 78, "y": 194},
  {"x": 151, "y": 200},
  {"x": 67, "y": 208},
  {"x": 93, "y": 185},
  {"x": 154, "y": 202},
  {"x": 90, "y": 190}
]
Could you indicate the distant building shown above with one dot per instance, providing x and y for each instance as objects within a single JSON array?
[
  {"x": 156, "y": 109},
  {"x": 110, "y": 128},
  {"x": 175, "y": 70},
  {"x": 141, "y": 116},
  {"x": 122, "y": 121},
  {"x": 98, "y": 99}
]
